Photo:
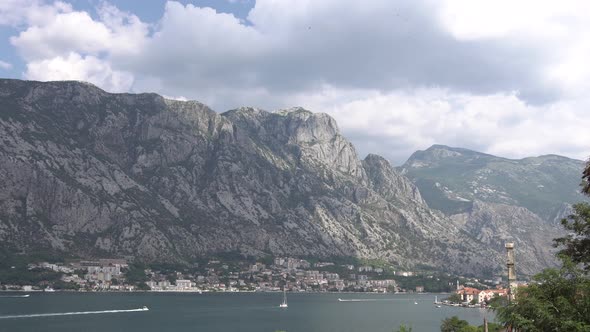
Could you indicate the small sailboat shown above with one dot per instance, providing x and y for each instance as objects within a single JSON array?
[
  {"x": 436, "y": 301},
  {"x": 284, "y": 304}
]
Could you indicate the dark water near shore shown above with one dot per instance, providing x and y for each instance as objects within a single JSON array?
[{"x": 227, "y": 312}]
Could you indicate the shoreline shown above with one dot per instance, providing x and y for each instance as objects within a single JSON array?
[{"x": 203, "y": 292}]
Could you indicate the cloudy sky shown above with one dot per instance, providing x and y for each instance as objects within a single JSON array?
[{"x": 506, "y": 77}]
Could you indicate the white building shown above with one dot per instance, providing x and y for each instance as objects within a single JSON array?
[{"x": 183, "y": 284}]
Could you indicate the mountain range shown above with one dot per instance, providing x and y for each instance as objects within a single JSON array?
[
  {"x": 498, "y": 199},
  {"x": 90, "y": 173}
]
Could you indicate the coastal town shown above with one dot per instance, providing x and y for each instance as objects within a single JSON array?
[{"x": 291, "y": 274}]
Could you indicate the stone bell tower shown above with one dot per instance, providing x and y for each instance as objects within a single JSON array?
[{"x": 511, "y": 271}]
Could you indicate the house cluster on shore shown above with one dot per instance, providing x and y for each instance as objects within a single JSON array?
[
  {"x": 474, "y": 295},
  {"x": 293, "y": 274}
]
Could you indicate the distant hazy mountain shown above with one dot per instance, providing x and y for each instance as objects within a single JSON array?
[
  {"x": 496, "y": 199},
  {"x": 92, "y": 173},
  {"x": 452, "y": 178}
]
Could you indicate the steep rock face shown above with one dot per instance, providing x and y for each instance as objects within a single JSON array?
[
  {"x": 93, "y": 173},
  {"x": 495, "y": 224},
  {"x": 389, "y": 182}
]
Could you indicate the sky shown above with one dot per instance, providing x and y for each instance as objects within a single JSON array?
[{"x": 505, "y": 77}]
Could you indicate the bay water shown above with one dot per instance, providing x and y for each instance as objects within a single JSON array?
[{"x": 249, "y": 312}]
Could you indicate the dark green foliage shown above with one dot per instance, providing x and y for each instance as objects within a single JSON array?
[
  {"x": 136, "y": 274},
  {"x": 559, "y": 300},
  {"x": 23, "y": 276},
  {"x": 438, "y": 200},
  {"x": 404, "y": 328},
  {"x": 497, "y": 301},
  {"x": 577, "y": 243},
  {"x": 14, "y": 269},
  {"x": 453, "y": 324},
  {"x": 454, "y": 298},
  {"x": 586, "y": 179},
  {"x": 431, "y": 285},
  {"x": 142, "y": 286},
  {"x": 492, "y": 327},
  {"x": 62, "y": 285}
]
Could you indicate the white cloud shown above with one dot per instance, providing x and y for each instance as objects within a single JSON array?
[
  {"x": 397, "y": 123},
  {"x": 536, "y": 19},
  {"x": 560, "y": 30},
  {"x": 5, "y": 65},
  {"x": 30, "y": 12},
  {"x": 75, "y": 31},
  {"x": 77, "y": 67},
  {"x": 398, "y": 76},
  {"x": 67, "y": 32}
]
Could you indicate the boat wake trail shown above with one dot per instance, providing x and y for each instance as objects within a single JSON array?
[
  {"x": 14, "y": 296},
  {"x": 74, "y": 313}
]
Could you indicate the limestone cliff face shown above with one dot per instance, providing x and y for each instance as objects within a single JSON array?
[{"x": 89, "y": 172}]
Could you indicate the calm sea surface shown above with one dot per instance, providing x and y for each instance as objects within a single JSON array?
[{"x": 227, "y": 312}]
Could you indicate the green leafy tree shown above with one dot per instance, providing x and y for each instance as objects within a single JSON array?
[
  {"x": 586, "y": 179},
  {"x": 453, "y": 324},
  {"x": 454, "y": 298},
  {"x": 497, "y": 301},
  {"x": 559, "y": 300},
  {"x": 492, "y": 327},
  {"x": 404, "y": 328},
  {"x": 136, "y": 274},
  {"x": 576, "y": 245}
]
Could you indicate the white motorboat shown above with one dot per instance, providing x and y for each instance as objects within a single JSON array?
[{"x": 284, "y": 304}]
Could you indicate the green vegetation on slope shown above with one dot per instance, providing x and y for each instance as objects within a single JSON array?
[{"x": 447, "y": 177}]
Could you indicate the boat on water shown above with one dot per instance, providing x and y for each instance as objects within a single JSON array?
[
  {"x": 284, "y": 304},
  {"x": 49, "y": 289},
  {"x": 16, "y": 296},
  {"x": 145, "y": 308},
  {"x": 436, "y": 302}
]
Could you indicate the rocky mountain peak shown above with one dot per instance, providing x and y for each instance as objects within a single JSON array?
[
  {"x": 88, "y": 172},
  {"x": 304, "y": 126},
  {"x": 386, "y": 180},
  {"x": 440, "y": 153}
]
